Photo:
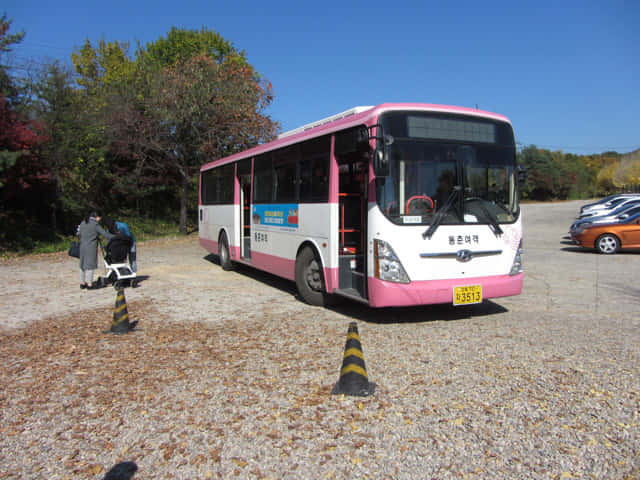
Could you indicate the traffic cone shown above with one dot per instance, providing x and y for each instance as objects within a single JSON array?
[
  {"x": 353, "y": 376},
  {"x": 120, "y": 322}
]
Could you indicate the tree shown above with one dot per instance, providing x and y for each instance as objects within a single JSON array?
[
  {"x": 56, "y": 104},
  {"x": 200, "y": 100},
  {"x": 210, "y": 110},
  {"x": 104, "y": 69},
  {"x": 19, "y": 138},
  {"x": 10, "y": 150},
  {"x": 23, "y": 176},
  {"x": 7, "y": 40},
  {"x": 542, "y": 173},
  {"x": 627, "y": 175},
  {"x": 605, "y": 177},
  {"x": 7, "y": 88},
  {"x": 105, "y": 75},
  {"x": 181, "y": 45}
]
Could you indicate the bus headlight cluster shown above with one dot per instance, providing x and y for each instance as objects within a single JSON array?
[
  {"x": 516, "y": 267},
  {"x": 387, "y": 265}
]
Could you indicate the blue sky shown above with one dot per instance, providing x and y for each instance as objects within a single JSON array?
[{"x": 562, "y": 71}]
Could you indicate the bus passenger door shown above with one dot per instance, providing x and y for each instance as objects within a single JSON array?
[
  {"x": 244, "y": 180},
  {"x": 352, "y": 169}
]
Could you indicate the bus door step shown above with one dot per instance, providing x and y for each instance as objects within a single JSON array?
[
  {"x": 351, "y": 276},
  {"x": 247, "y": 247},
  {"x": 352, "y": 294}
]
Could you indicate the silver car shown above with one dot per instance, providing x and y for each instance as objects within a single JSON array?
[
  {"x": 618, "y": 215},
  {"x": 606, "y": 200},
  {"x": 610, "y": 206}
]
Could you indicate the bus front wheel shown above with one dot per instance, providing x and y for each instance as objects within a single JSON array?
[
  {"x": 223, "y": 253},
  {"x": 309, "y": 278}
]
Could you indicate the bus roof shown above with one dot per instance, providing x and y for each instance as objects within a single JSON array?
[
  {"x": 347, "y": 119},
  {"x": 332, "y": 118}
]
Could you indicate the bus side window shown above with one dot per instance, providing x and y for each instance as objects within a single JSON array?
[
  {"x": 217, "y": 185},
  {"x": 305, "y": 181},
  {"x": 225, "y": 190},
  {"x": 285, "y": 170},
  {"x": 314, "y": 170},
  {"x": 320, "y": 179},
  {"x": 263, "y": 180},
  {"x": 209, "y": 187},
  {"x": 314, "y": 180},
  {"x": 351, "y": 168}
]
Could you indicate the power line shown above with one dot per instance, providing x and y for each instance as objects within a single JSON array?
[{"x": 42, "y": 45}]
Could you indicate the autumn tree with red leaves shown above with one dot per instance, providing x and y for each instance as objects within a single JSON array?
[{"x": 23, "y": 175}]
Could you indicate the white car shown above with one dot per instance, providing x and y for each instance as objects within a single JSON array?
[
  {"x": 610, "y": 206},
  {"x": 606, "y": 200},
  {"x": 618, "y": 215}
]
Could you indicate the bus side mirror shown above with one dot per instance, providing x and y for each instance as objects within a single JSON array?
[
  {"x": 522, "y": 176},
  {"x": 381, "y": 163},
  {"x": 352, "y": 140},
  {"x": 362, "y": 139}
]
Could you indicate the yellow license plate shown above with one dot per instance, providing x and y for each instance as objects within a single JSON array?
[{"x": 467, "y": 295}]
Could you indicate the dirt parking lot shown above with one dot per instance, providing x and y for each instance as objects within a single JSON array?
[{"x": 229, "y": 373}]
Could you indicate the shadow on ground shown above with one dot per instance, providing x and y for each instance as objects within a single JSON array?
[{"x": 364, "y": 313}]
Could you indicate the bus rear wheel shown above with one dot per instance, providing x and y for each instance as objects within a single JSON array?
[
  {"x": 223, "y": 253},
  {"x": 309, "y": 278}
]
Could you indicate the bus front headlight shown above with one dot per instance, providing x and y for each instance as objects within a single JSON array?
[
  {"x": 516, "y": 267},
  {"x": 387, "y": 265}
]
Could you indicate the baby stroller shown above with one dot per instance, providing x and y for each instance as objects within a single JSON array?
[{"x": 117, "y": 271}]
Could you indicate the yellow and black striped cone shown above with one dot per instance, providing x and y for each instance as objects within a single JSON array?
[
  {"x": 353, "y": 376},
  {"x": 121, "y": 322}
]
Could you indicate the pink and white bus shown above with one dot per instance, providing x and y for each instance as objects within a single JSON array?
[{"x": 392, "y": 205}]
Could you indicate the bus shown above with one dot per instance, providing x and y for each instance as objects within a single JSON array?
[{"x": 393, "y": 205}]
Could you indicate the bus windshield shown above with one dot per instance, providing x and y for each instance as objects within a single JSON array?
[{"x": 460, "y": 170}]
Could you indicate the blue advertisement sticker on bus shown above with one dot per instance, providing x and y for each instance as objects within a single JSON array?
[{"x": 282, "y": 215}]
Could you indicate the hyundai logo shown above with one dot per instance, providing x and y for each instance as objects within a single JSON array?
[{"x": 464, "y": 255}]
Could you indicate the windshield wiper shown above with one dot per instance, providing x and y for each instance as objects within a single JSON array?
[
  {"x": 437, "y": 218},
  {"x": 503, "y": 206},
  {"x": 493, "y": 221}
]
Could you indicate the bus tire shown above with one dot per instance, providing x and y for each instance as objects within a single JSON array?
[
  {"x": 309, "y": 278},
  {"x": 223, "y": 253}
]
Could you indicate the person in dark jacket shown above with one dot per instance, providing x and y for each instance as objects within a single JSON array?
[
  {"x": 117, "y": 227},
  {"x": 123, "y": 227},
  {"x": 118, "y": 248},
  {"x": 88, "y": 232}
]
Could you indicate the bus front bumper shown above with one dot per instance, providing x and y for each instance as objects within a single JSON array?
[{"x": 388, "y": 294}]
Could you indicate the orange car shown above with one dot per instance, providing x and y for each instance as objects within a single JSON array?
[{"x": 610, "y": 237}]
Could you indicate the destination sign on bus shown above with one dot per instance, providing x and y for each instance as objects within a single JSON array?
[{"x": 434, "y": 128}]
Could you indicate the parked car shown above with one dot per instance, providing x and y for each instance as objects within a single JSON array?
[
  {"x": 609, "y": 237},
  {"x": 618, "y": 215},
  {"x": 610, "y": 206},
  {"x": 588, "y": 206}
]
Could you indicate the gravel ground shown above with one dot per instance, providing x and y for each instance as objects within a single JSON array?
[{"x": 216, "y": 383}]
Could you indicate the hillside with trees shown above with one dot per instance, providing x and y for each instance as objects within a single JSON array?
[
  {"x": 564, "y": 176},
  {"x": 125, "y": 131}
]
